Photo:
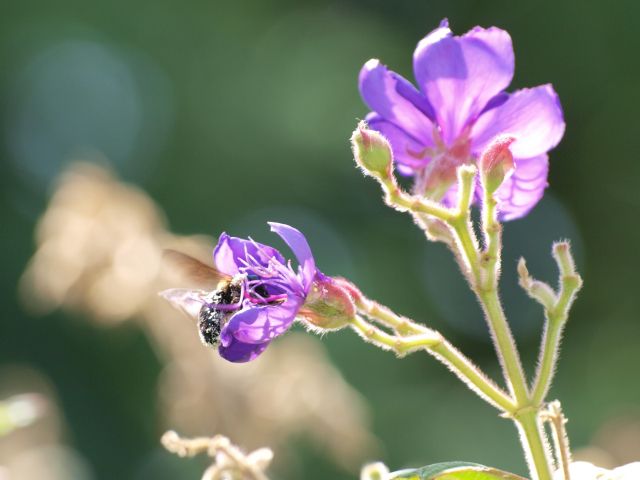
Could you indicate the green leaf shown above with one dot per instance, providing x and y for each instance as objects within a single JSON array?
[{"x": 454, "y": 471}]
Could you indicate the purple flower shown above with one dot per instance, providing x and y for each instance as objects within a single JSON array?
[
  {"x": 459, "y": 107},
  {"x": 262, "y": 299}
]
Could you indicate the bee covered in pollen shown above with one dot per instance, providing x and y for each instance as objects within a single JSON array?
[{"x": 257, "y": 296}]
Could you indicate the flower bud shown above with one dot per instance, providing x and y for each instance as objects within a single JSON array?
[
  {"x": 353, "y": 291},
  {"x": 329, "y": 305},
  {"x": 372, "y": 152},
  {"x": 496, "y": 164}
]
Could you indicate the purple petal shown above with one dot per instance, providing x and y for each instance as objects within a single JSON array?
[
  {"x": 262, "y": 323},
  {"x": 532, "y": 115},
  {"x": 524, "y": 189},
  {"x": 406, "y": 149},
  {"x": 189, "y": 301},
  {"x": 460, "y": 75},
  {"x": 496, "y": 101},
  {"x": 239, "y": 352},
  {"x": 230, "y": 250},
  {"x": 396, "y": 100},
  {"x": 300, "y": 247}
]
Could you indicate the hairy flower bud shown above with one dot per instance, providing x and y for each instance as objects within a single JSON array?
[
  {"x": 329, "y": 305},
  {"x": 496, "y": 163},
  {"x": 372, "y": 152}
]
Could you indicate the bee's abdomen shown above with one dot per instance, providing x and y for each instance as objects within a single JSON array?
[
  {"x": 209, "y": 324},
  {"x": 212, "y": 319}
]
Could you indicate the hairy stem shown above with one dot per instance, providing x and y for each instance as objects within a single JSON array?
[
  {"x": 484, "y": 283},
  {"x": 412, "y": 336},
  {"x": 554, "y": 416},
  {"x": 470, "y": 374},
  {"x": 402, "y": 201},
  {"x": 534, "y": 443},
  {"x": 492, "y": 231},
  {"x": 555, "y": 319},
  {"x": 481, "y": 267},
  {"x": 547, "y": 359},
  {"x": 505, "y": 345}
]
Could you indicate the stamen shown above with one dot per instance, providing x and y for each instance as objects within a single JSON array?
[
  {"x": 254, "y": 266},
  {"x": 262, "y": 279},
  {"x": 254, "y": 293}
]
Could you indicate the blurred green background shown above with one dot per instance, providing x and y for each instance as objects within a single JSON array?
[{"x": 232, "y": 113}]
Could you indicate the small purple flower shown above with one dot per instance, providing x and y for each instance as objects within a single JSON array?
[
  {"x": 459, "y": 108},
  {"x": 266, "y": 296}
]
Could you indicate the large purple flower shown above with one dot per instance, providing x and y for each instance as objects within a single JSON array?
[
  {"x": 263, "y": 300},
  {"x": 459, "y": 107}
]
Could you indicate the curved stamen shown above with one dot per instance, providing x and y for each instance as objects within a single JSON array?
[
  {"x": 262, "y": 277},
  {"x": 251, "y": 265}
]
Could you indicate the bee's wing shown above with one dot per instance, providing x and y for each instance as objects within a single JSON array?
[
  {"x": 194, "y": 271},
  {"x": 187, "y": 300}
]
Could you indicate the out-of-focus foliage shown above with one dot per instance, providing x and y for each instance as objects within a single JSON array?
[{"x": 233, "y": 113}]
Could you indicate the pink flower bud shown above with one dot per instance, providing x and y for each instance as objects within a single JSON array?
[
  {"x": 372, "y": 152},
  {"x": 496, "y": 163},
  {"x": 329, "y": 305}
]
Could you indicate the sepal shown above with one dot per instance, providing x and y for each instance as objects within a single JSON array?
[{"x": 329, "y": 305}]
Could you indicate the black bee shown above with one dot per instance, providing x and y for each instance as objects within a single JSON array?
[
  {"x": 217, "y": 303},
  {"x": 221, "y": 297},
  {"x": 212, "y": 317}
]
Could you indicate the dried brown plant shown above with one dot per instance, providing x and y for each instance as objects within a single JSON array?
[{"x": 99, "y": 253}]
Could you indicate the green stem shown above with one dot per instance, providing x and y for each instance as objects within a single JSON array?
[
  {"x": 481, "y": 269},
  {"x": 492, "y": 231},
  {"x": 386, "y": 341},
  {"x": 477, "y": 381},
  {"x": 484, "y": 283},
  {"x": 555, "y": 319},
  {"x": 500, "y": 331},
  {"x": 374, "y": 310},
  {"x": 505, "y": 345},
  {"x": 487, "y": 293},
  {"x": 556, "y": 420},
  {"x": 468, "y": 247},
  {"x": 465, "y": 237},
  {"x": 402, "y": 201},
  {"x": 547, "y": 360},
  {"x": 415, "y": 337},
  {"x": 534, "y": 443}
]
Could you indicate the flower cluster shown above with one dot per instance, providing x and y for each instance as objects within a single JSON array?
[
  {"x": 456, "y": 114},
  {"x": 458, "y": 109}
]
